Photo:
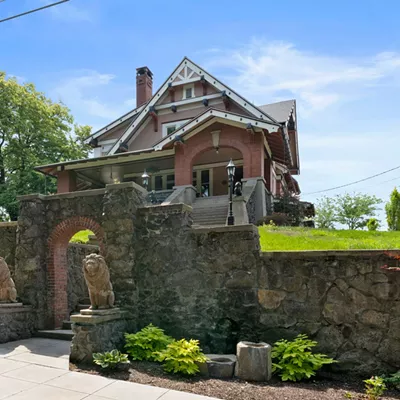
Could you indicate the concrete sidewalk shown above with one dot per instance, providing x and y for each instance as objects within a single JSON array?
[{"x": 37, "y": 369}]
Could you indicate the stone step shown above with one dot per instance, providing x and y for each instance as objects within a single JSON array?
[
  {"x": 59, "y": 334},
  {"x": 67, "y": 325}
]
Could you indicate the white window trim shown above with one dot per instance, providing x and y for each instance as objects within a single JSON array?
[
  {"x": 172, "y": 123},
  {"x": 185, "y": 87}
]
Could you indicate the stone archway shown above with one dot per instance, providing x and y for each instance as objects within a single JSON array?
[{"x": 57, "y": 273}]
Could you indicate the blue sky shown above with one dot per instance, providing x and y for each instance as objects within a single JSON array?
[{"x": 339, "y": 59}]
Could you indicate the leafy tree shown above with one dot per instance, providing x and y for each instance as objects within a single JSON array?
[
  {"x": 325, "y": 213},
  {"x": 355, "y": 210},
  {"x": 33, "y": 131},
  {"x": 393, "y": 211},
  {"x": 372, "y": 224}
]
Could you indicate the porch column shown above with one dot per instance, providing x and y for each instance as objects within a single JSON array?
[
  {"x": 183, "y": 172},
  {"x": 66, "y": 181}
]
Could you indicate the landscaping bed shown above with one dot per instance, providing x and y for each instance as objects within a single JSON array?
[
  {"x": 273, "y": 238},
  {"x": 328, "y": 388}
]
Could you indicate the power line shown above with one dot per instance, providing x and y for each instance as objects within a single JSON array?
[
  {"x": 353, "y": 183},
  {"x": 32, "y": 11}
]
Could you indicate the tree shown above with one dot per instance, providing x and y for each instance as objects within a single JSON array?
[
  {"x": 33, "y": 131},
  {"x": 325, "y": 213},
  {"x": 393, "y": 211},
  {"x": 355, "y": 210}
]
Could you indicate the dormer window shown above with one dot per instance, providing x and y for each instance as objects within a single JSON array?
[{"x": 188, "y": 92}]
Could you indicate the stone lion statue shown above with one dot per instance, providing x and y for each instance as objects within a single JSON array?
[
  {"x": 97, "y": 277},
  {"x": 8, "y": 293}
]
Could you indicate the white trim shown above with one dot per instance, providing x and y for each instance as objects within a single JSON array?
[
  {"x": 184, "y": 81},
  {"x": 213, "y": 81},
  {"x": 223, "y": 115},
  {"x": 114, "y": 124},
  {"x": 186, "y": 87},
  {"x": 176, "y": 124},
  {"x": 188, "y": 101},
  {"x": 105, "y": 142}
]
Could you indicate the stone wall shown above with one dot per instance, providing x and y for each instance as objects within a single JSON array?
[
  {"x": 16, "y": 323},
  {"x": 8, "y": 236},
  {"x": 214, "y": 285},
  {"x": 77, "y": 288}
]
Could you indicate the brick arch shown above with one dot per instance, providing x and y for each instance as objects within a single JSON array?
[
  {"x": 57, "y": 269},
  {"x": 186, "y": 155}
]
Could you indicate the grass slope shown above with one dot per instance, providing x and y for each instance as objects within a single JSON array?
[{"x": 288, "y": 238}]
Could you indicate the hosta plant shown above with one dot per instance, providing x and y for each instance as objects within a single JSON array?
[
  {"x": 110, "y": 359},
  {"x": 294, "y": 360},
  {"x": 374, "y": 387},
  {"x": 182, "y": 356},
  {"x": 147, "y": 343}
]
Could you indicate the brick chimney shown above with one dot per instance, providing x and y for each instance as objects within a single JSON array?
[{"x": 144, "y": 85}]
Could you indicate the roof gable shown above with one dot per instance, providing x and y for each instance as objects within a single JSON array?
[{"x": 187, "y": 71}]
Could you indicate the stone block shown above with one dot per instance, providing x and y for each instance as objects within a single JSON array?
[
  {"x": 221, "y": 366},
  {"x": 270, "y": 299},
  {"x": 254, "y": 361}
]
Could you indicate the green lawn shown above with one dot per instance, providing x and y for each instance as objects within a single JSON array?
[
  {"x": 288, "y": 238},
  {"x": 81, "y": 237}
]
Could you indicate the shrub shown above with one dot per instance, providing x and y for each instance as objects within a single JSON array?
[
  {"x": 278, "y": 219},
  {"x": 393, "y": 380},
  {"x": 110, "y": 359},
  {"x": 294, "y": 361},
  {"x": 182, "y": 357},
  {"x": 372, "y": 224},
  {"x": 145, "y": 344},
  {"x": 374, "y": 387}
]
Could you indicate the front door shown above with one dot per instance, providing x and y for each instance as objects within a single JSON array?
[{"x": 202, "y": 182}]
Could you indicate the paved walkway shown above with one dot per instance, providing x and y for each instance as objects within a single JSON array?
[{"x": 37, "y": 369}]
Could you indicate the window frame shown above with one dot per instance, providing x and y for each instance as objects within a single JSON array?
[
  {"x": 186, "y": 87},
  {"x": 176, "y": 124}
]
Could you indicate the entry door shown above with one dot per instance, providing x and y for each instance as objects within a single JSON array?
[{"x": 202, "y": 182}]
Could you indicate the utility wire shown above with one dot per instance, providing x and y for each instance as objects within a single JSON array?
[
  {"x": 353, "y": 183},
  {"x": 32, "y": 11}
]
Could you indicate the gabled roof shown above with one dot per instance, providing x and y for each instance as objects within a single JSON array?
[
  {"x": 257, "y": 112},
  {"x": 131, "y": 114},
  {"x": 280, "y": 111}
]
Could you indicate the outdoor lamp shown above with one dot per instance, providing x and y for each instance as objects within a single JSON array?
[
  {"x": 231, "y": 169},
  {"x": 231, "y": 173},
  {"x": 215, "y": 140},
  {"x": 145, "y": 179}
]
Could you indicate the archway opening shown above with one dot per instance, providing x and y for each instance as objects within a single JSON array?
[
  {"x": 60, "y": 297},
  {"x": 209, "y": 171}
]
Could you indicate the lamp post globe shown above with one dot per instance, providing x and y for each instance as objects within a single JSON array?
[
  {"x": 230, "y": 168},
  {"x": 145, "y": 179}
]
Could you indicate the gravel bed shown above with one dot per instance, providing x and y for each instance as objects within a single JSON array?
[{"x": 328, "y": 388}]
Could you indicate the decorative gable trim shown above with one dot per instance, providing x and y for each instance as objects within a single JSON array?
[{"x": 185, "y": 65}]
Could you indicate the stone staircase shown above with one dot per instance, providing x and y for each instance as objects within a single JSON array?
[{"x": 210, "y": 211}]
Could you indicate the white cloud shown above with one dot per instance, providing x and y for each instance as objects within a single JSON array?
[
  {"x": 267, "y": 71},
  {"x": 94, "y": 98}
]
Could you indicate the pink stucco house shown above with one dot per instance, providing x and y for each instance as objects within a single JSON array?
[{"x": 183, "y": 135}]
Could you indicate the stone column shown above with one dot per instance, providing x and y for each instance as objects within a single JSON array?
[{"x": 30, "y": 263}]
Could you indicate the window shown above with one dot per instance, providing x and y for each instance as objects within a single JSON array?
[
  {"x": 188, "y": 92},
  {"x": 170, "y": 181},
  {"x": 158, "y": 182},
  {"x": 172, "y": 126},
  {"x": 170, "y": 129}
]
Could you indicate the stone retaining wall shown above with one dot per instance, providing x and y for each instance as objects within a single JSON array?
[
  {"x": 8, "y": 237},
  {"x": 16, "y": 323}
]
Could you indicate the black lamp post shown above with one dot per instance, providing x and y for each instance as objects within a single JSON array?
[
  {"x": 145, "y": 179},
  {"x": 230, "y": 168}
]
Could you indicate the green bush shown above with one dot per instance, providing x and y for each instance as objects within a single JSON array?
[
  {"x": 145, "y": 344},
  {"x": 372, "y": 224},
  {"x": 294, "y": 361},
  {"x": 182, "y": 357},
  {"x": 392, "y": 380},
  {"x": 110, "y": 359},
  {"x": 374, "y": 387}
]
